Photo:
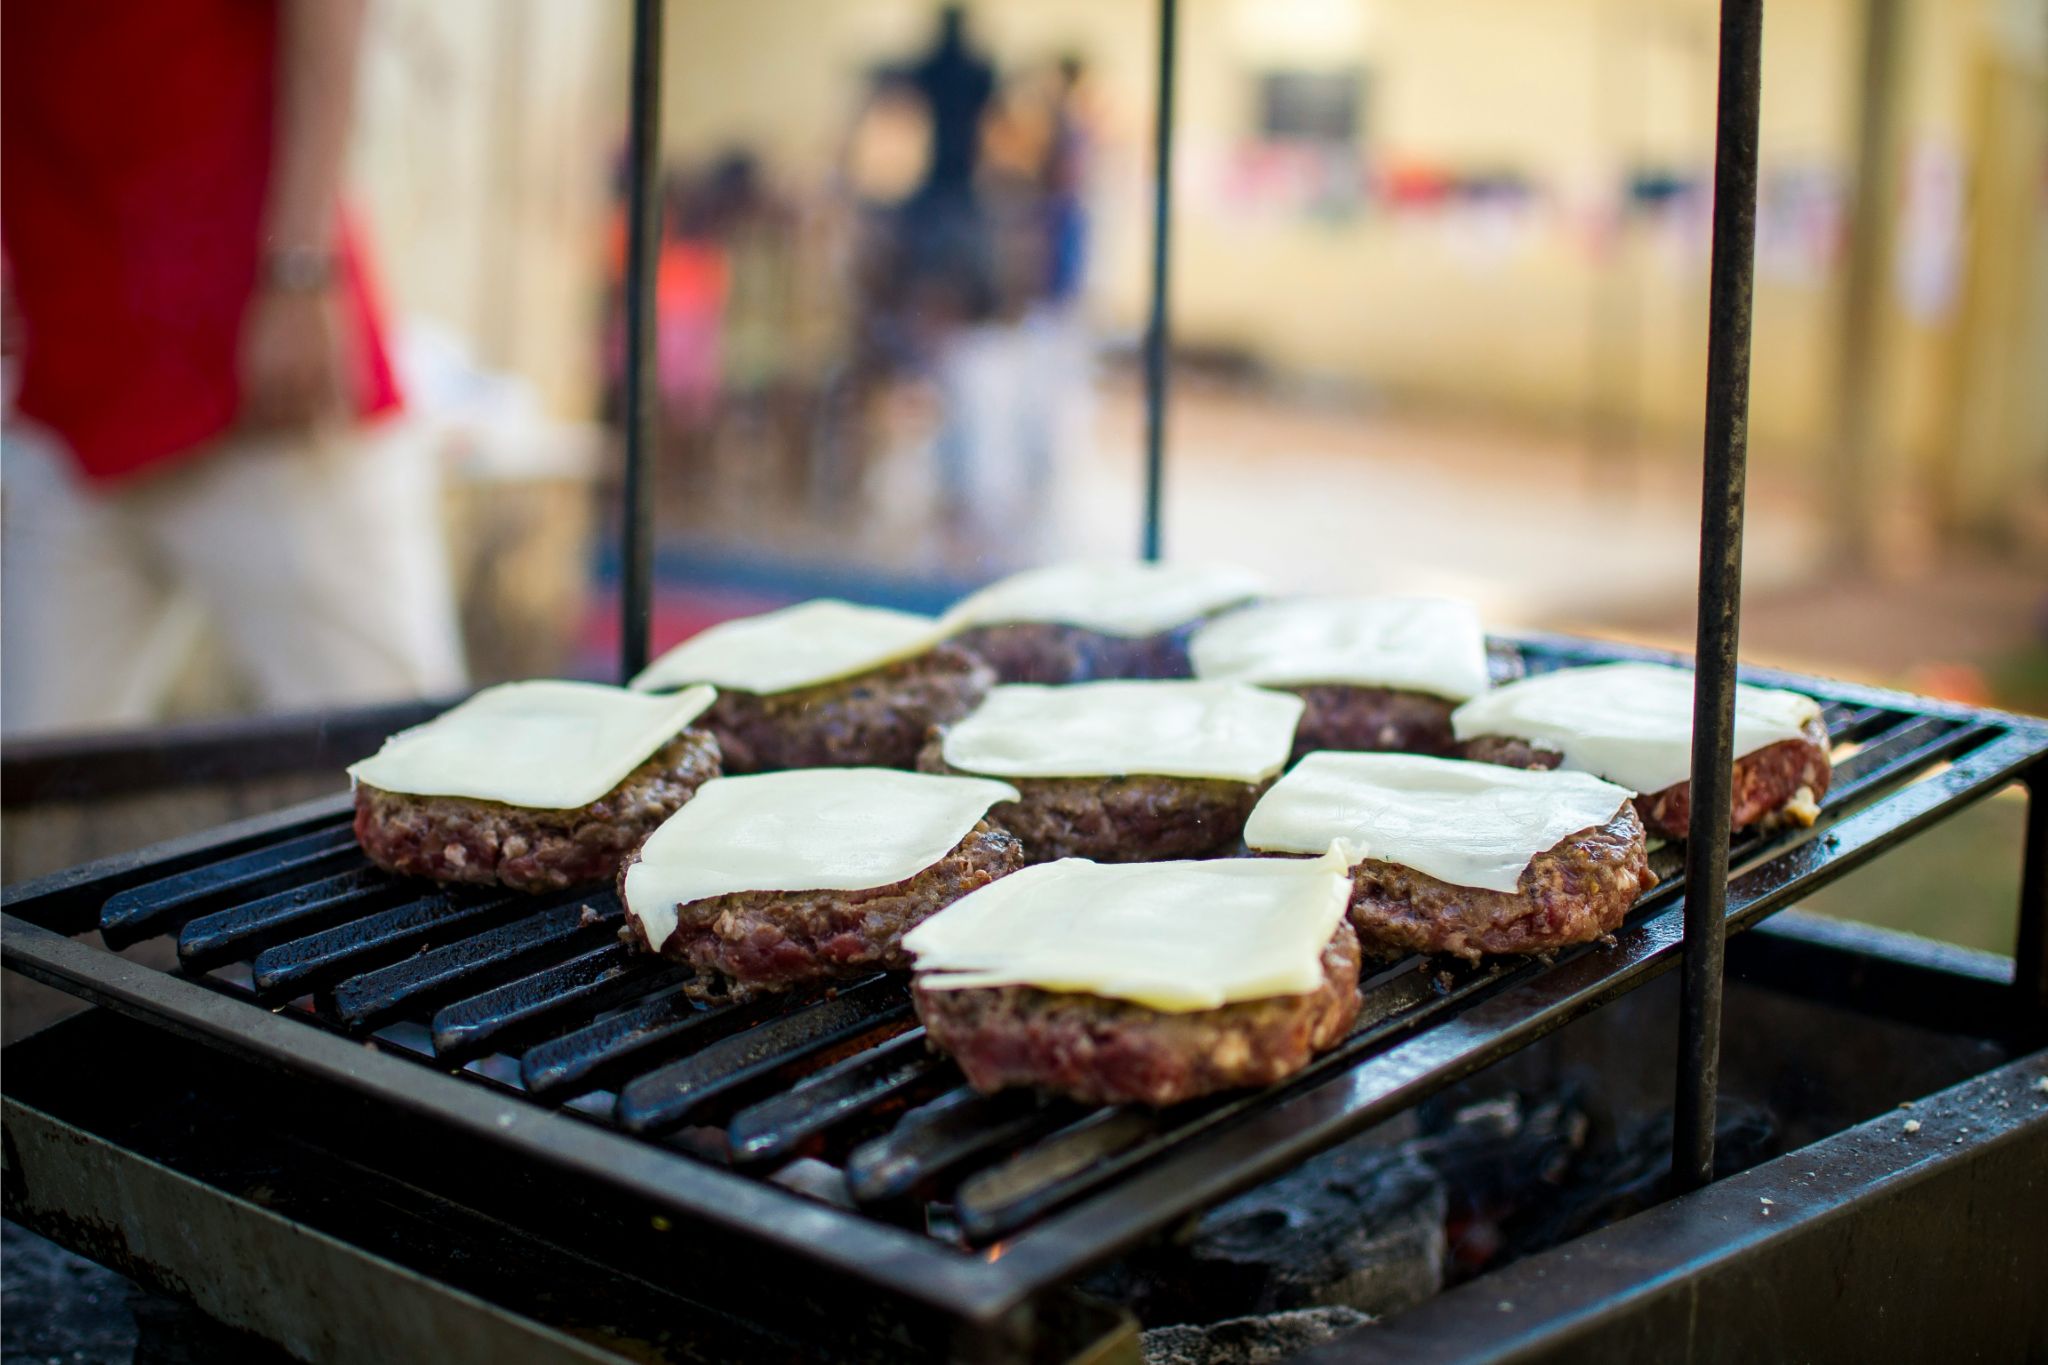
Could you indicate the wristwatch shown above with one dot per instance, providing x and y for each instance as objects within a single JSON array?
[{"x": 299, "y": 269}]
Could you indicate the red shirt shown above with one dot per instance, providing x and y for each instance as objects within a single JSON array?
[{"x": 135, "y": 147}]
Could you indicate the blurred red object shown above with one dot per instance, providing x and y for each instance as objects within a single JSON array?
[{"x": 1951, "y": 682}]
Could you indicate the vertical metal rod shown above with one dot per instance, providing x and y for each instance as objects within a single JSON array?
[
  {"x": 1721, "y": 500},
  {"x": 1155, "y": 327},
  {"x": 2030, "y": 953},
  {"x": 643, "y": 240}
]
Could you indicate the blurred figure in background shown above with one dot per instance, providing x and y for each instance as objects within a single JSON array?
[
  {"x": 202, "y": 357},
  {"x": 945, "y": 247},
  {"x": 1061, "y": 348}
]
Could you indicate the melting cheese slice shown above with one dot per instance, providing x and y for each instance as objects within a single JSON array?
[
  {"x": 1630, "y": 723},
  {"x": 1175, "y": 936},
  {"x": 1469, "y": 824},
  {"x": 816, "y": 829},
  {"x": 1117, "y": 729},
  {"x": 1128, "y": 599},
  {"x": 1415, "y": 644},
  {"x": 801, "y": 646},
  {"x": 542, "y": 745}
]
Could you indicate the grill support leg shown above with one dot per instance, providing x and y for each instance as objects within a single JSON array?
[
  {"x": 1720, "y": 595},
  {"x": 643, "y": 236},
  {"x": 2030, "y": 954},
  {"x": 1155, "y": 327}
]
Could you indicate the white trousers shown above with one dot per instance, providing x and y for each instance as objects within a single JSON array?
[{"x": 319, "y": 561}]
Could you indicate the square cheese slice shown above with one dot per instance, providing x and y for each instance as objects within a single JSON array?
[
  {"x": 816, "y": 829},
  {"x": 1119, "y": 729},
  {"x": 1132, "y": 599},
  {"x": 1172, "y": 936},
  {"x": 543, "y": 745},
  {"x": 801, "y": 646},
  {"x": 1629, "y": 723},
  {"x": 1413, "y": 644},
  {"x": 1469, "y": 824}
]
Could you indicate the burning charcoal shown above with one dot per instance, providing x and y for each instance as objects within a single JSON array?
[
  {"x": 1361, "y": 1226},
  {"x": 1498, "y": 1157},
  {"x": 1526, "y": 1171},
  {"x": 1249, "y": 1341}
]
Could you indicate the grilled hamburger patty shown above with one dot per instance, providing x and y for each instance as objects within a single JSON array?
[
  {"x": 1103, "y": 1051},
  {"x": 1766, "y": 781},
  {"x": 1372, "y": 719},
  {"x": 1572, "y": 893},
  {"x": 748, "y": 942},
  {"x": 875, "y": 719},
  {"x": 1136, "y": 819},
  {"x": 1048, "y": 652},
  {"x": 457, "y": 839}
]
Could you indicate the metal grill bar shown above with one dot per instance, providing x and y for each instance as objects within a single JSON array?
[
  {"x": 143, "y": 911},
  {"x": 776, "y": 1127},
  {"x": 498, "y": 1020},
  {"x": 936, "y": 1139},
  {"x": 594, "y": 1057},
  {"x": 305, "y": 964},
  {"x": 662, "y": 1099},
  {"x": 377, "y": 996},
  {"x": 244, "y": 930},
  {"x": 1720, "y": 597}
]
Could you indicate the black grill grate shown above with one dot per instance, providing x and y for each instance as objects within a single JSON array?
[{"x": 539, "y": 997}]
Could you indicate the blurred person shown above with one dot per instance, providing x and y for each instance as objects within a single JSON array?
[
  {"x": 1061, "y": 348},
  {"x": 1069, "y": 154},
  {"x": 198, "y": 427},
  {"x": 945, "y": 249},
  {"x": 691, "y": 276}
]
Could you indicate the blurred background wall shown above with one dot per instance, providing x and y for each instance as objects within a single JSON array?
[{"x": 1503, "y": 211}]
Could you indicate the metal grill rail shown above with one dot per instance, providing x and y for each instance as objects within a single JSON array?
[{"x": 538, "y": 997}]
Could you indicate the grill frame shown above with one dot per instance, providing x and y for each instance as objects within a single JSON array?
[{"x": 1487, "y": 1013}]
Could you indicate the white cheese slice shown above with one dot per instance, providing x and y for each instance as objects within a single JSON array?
[
  {"x": 816, "y": 829},
  {"x": 542, "y": 745},
  {"x": 1414, "y": 644},
  {"x": 1131, "y": 599},
  {"x": 1630, "y": 723},
  {"x": 1469, "y": 824},
  {"x": 1175, "y": 936},
  {"x": 779, "y": 651},
  {"x": 1116, "y": 729}
]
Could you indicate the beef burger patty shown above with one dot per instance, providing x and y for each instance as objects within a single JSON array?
[
  {"x": 745, "y": 943},
  {"x": 1049, "y": 652},
  {"x": 1779, "y": 782},
  {"x": 1372, "y": 719},
  {"x": 1572, "y": 893},
  {"x": 876, "y": 719},
  {"x": 459, "y": 839},
  {"x": 1103, "y": 1051},
  {"x": 1133, "y": 819}
]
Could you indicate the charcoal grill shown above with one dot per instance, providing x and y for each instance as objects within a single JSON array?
[
  {"x": 809, "y": 1157},
  {"x": 821, "y": 1132}
]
